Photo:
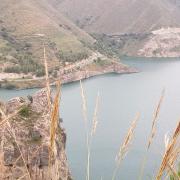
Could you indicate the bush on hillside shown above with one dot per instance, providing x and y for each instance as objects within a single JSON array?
[{"x": 72, "y": 56}]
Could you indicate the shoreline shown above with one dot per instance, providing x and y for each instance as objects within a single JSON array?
[{"x": 70, "y": 77}]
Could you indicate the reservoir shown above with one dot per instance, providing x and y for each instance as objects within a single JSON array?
[{"x": 121, "y": 97}]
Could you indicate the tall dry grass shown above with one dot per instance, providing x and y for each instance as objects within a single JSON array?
[
  {"x": 123, "y": 150},
  {"x": 54, "y": 112},
  {"x": 85, "y": 117},
  {"x": 95, "y": 116},
  {"x": 89, "y": 132},
  {"x": 155, "y": 119},
  {"x": 152, "y": 132},
  {"x": 54, "y": 120},
  {"x": 92, "y": 133},
  {"x": 171, "y": 151}
]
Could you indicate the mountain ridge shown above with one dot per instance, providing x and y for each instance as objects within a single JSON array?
[{"x": 121, "y": 16}]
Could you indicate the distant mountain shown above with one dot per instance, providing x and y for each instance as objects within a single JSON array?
[
  {"x": 126, "y": 27},
  {"x": 176, "y": 2},
  {"x": 121, "y": 16},
  {"x": 26, "y": 24}
]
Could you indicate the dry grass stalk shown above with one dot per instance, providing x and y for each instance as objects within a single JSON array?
[
  {"x": 172, "y": 160},
  {"x": 174, "y": 156},
  {"x": 171, "y": 148},
  {"x": 95, "y": 116},
  {"x": 54, "y": 111},
  {"x": 166, "y": 140},
  {"x": 11, "y": 131},
  {"x": 22, "y": 176},
  {"x": 85, "y": 117},
  {"x": 155, "y": 118},
  {"x": 152, "y": 133},
  {"x": 89, "y": 136},
  {"x": 47, "y": 79},
  {"x": 14, "y": 164},
  {"x": 93, "y": 131},
  {"x": 6, "y": 118},
  {"x": 84, "y": 103},
  {"x": 125, "y": 146},
  {"x": 54, "y": 120},
  {"x": 173, "y": 172}
]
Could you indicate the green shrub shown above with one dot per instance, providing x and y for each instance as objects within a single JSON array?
[
  {"x": 72, "y": 56},
  {"x": 26, "y": 64},
  {"x": 13, "y": 69},
  {"x": 24, "y": 111}
]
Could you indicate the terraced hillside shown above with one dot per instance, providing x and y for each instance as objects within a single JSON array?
[{"x": 25, "y": 25}]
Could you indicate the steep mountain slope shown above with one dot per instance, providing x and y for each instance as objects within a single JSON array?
[
  {"x": 26, "y": 24},
  {"x": 120, "y": 16},
  {"x": 32, "y": 30}
]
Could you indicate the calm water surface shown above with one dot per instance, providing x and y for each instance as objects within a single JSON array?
[{"x": 122, "y": 96}]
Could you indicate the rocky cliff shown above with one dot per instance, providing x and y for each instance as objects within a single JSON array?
[{"x": 24, "y": 140}]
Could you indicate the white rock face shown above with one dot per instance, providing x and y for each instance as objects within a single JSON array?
[{"x": 164, "y": 42}]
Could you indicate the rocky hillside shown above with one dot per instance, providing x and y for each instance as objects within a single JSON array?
[
  {"x": 162, "y": 43},
  {"x": 24, "y": 140},
  {"x": 121, "y": 16},
  {"x": 25, "y": 25}
]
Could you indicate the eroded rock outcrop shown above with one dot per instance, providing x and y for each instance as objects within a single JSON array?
[
  {"x": 164, "y": 42},
  {"x": 24, "y": 140}
]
